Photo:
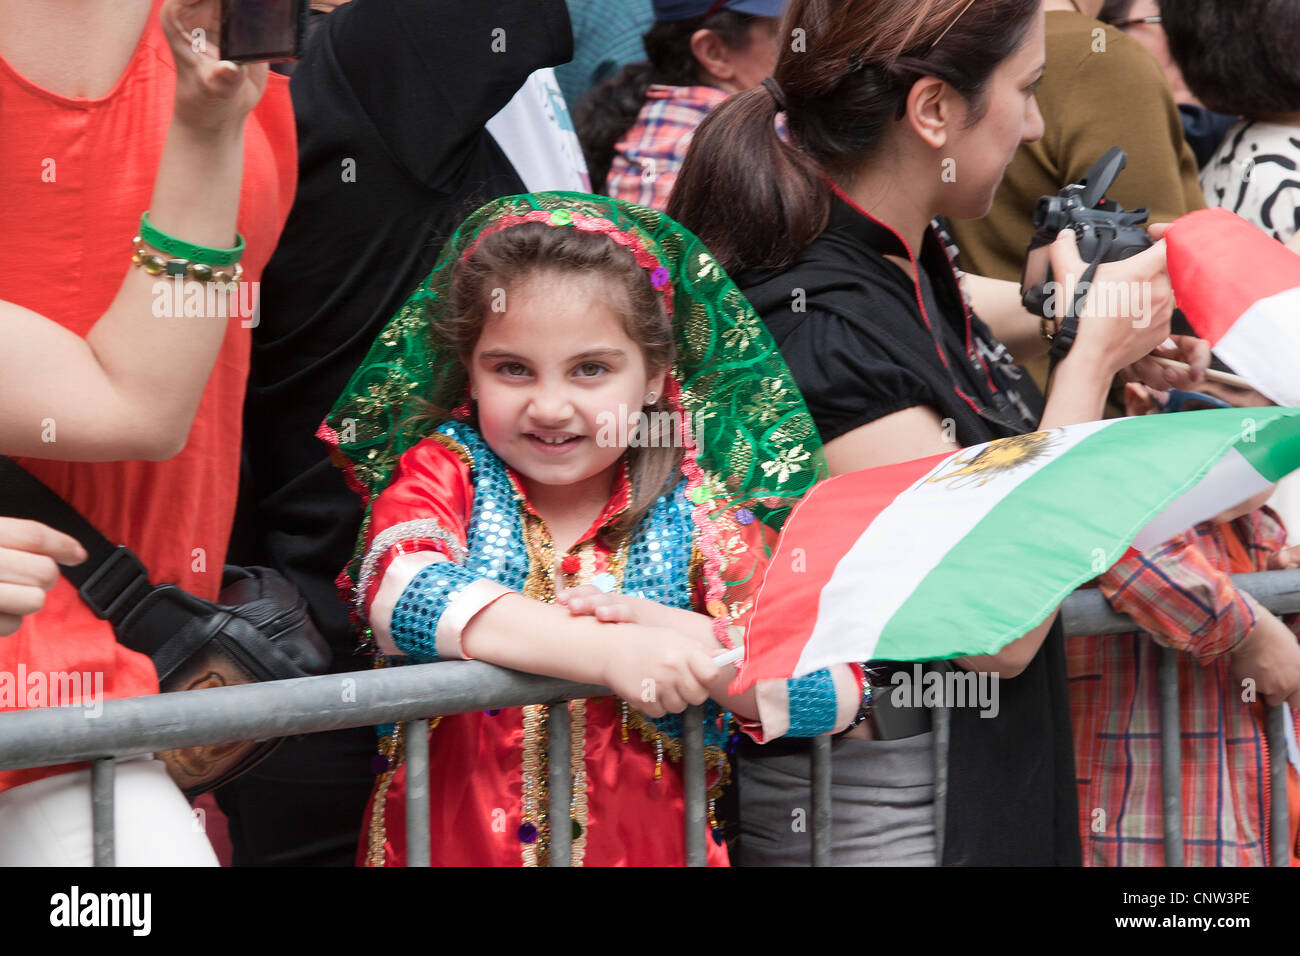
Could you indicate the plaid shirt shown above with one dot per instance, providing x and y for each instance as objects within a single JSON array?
[
  {"x": 1182, "y": 597},
  {"x": 647, "y": 158}
]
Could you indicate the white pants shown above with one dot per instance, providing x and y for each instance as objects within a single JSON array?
[{"x": 48, "y": 822}]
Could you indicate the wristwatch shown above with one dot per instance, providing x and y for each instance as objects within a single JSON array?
[
  {"x": 1047, "y": 328},
  {"x": 1064, "y": 337}
]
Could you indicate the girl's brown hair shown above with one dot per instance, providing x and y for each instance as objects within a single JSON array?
[
  {"x": 506, "y": 258},
  {"x": 845, "y": 70}
]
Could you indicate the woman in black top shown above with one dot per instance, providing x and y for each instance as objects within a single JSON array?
[{"x": 901, "y": 111}]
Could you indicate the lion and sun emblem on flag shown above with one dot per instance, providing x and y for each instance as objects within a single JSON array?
[{"x": 1003, "y": 456}]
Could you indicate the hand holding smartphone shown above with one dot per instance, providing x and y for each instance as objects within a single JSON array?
[{"x": 253, "y": 30}]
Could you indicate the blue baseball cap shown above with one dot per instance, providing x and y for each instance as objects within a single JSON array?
[{"x": 669, "y": 10}]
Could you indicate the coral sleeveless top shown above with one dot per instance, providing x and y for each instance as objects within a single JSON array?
[{"x": 75, "y": 175}]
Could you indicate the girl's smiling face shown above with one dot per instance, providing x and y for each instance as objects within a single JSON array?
[{"x": 553, "y": 374}]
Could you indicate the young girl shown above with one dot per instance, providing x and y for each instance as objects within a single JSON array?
[{"x": 624, "y": 422}]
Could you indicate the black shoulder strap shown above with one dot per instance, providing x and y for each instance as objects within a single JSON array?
[{"x": 112, "y": 580}]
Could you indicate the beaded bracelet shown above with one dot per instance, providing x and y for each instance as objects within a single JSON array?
[
  {"x": 156, "y": 265},
  {"x": 864, "y": 708},
  {"x": 180, "y": 249}
]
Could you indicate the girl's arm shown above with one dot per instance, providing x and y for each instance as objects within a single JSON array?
[
  {"x": 131, "y": 387},
  {"x": 431, "y": 608},
  {"x": 824, "y": 702},
  {"x": 589, "y": 603},
  {"x": 657, "y": 670},
  {"x": 423, "y": 601}
]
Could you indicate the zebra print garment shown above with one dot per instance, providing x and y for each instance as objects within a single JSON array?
[{"x": 1255, "y": 174}]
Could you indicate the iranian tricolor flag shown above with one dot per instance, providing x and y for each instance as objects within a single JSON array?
[
  {"x": 961, "y": 554},
  {"x": 1240, "y": 290}
]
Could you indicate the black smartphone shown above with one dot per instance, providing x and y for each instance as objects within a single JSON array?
[{"x": 262, "y": 29}]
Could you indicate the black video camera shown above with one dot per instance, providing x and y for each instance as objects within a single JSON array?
[{"x": 1106, "y": 233}]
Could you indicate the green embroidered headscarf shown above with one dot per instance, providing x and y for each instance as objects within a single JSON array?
[{"x": 758, "y": 449}]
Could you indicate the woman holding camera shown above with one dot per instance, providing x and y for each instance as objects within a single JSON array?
[{"x": 901, "y": 111}]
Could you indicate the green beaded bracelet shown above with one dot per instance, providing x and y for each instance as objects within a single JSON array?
[
  {"x": 184, "y": 269},
  {"x": 181, "y": 249}
]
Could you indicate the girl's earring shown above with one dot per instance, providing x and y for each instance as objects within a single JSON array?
[
  {"x": 463, "y": 411},
  {"x": 650, "y": 399}
]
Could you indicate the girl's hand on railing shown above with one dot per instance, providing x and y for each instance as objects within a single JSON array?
[
  {"x": 211, "y": 93},
  {"x": 657, "y": 670},
  {"x": 615, "y": 608},
  {"x": 30, "y": 555}
]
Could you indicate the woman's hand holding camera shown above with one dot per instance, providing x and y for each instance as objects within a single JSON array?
[
  {"x": 212, "y": 94},
  {"x": 1126, "y": 315}
]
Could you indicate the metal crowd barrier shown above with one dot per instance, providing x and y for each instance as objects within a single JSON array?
[
  {"x": 1086, "y": 612},
  {"x": 145, "y": 725}
]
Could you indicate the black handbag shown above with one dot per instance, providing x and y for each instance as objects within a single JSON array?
[{"x": 259, "y": 628}]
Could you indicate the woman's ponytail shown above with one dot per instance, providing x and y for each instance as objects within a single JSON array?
[
  {"x": 775, "y": 197},
  {"x": 844, "y": 74}
]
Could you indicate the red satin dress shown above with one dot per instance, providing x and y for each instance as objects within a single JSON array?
[{"x": 628, "y": 809}]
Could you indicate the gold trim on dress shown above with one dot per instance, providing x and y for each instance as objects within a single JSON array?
[
  {"x": 534, "y": 787},
  {"x": 578, "y": 771}
]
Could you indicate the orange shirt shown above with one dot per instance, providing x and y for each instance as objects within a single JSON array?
[{"x": 77, "y": 174}]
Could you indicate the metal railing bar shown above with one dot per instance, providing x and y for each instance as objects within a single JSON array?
[
  {"x": 103, "y": 775},
  {"x": 1171, "y": 757},
  {"x": 696, "y": 831},
  {"x": 941, "y": 719},
  {"x": 559, "y": 763},
  {"x": 142, "y": 725},
  {"x": 820, "y": 784},
  {"x": 1279, "y": 818},
  {"x": 417, "y": 793},
  {"x": 1086, "y": 612}
]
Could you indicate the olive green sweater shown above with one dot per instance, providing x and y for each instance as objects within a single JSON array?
[{"x": 1101, "y": 89}]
